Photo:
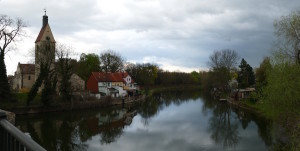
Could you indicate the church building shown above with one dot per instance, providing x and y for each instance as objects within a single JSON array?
[{"x": 26, "y": 74}]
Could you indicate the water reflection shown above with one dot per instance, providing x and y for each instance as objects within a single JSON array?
[
  {"x": 70, "y": 131},
  {"x": 170, "y": 120},
  {"x": 161, "y": 100},
  {"x": 223, "y": 126}
]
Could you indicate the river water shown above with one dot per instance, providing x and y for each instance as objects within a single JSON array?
[{"x": 171, "y": 120}]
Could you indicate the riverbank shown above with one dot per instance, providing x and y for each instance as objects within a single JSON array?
[
  {"x": 243, "y": 105},
  {"x": 285, "y": 126},
  {"x": 76, "y": 105},
  {"x": 19, "y": 107}
]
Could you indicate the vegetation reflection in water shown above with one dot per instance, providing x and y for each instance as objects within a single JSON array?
[{"x": 171, "y": 120}]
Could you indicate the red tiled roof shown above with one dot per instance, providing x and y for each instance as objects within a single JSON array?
[
  {"x": 27, "y": 68},
  {"x": 110, "y": 77},
  {"x": 39, "y": 37}
]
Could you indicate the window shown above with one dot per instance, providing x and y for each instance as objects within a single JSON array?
[{"x": 29, "y": 77}]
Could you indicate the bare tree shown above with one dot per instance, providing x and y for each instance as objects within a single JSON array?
[
  {"x": 287, "y": 30},
  {"x": 10, "y": 30},
  {"x": 64, "y": 68},
  {"x": 225, "y": 58},
  {"x": 111, "y": 61}
]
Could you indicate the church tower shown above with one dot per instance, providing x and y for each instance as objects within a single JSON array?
[{"x": 44, "y": 46}]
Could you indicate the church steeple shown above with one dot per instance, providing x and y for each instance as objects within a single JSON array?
[
  {"x": 44, "y": 45},
  {"x": 45, "y": 31},
  {"x": 45, "y": 19}
]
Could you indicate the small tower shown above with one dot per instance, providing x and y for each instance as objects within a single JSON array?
[{"x": 44, "y": 46}]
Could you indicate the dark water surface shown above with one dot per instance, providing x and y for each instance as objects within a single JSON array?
[{"x": 171, "y": 120}]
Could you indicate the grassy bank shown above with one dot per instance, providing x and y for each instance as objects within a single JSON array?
[{"x": 19, "y": 100}]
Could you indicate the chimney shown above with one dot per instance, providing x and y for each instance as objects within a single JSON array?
[{"x": 45, "y": 20}]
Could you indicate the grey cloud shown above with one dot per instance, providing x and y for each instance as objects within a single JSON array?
[{"x": 183, "y": 31}]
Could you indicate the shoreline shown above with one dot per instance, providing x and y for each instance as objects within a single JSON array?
[
  {"x": 241, "y": 105},
  {"x": 92, "y": 104},
  {"x": 78, "y": 105}
]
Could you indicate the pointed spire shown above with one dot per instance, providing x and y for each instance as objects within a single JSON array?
[{"x": 45, "y": 18}]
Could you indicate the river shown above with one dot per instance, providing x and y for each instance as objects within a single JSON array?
[{"x": 172, "y": 120}]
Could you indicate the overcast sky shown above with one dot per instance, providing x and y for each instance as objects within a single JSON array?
[{"x": 178, "y": 35}]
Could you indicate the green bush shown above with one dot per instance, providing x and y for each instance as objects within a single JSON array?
[{"x": 282, "y": 91}]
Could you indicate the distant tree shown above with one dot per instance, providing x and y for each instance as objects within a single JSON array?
[
  {"x": 176, "y": 78},
  {"x": 130, "y": 67},
  {"x": 143, "y": 74},
  {"x": 64, "y": 69},
  {"x": 204, "y": 81},
  {"x": 196, "y": 76},
  {"x": 10, "y": 30},
  {"x": 287, "y": 30},
  {"x": 111, "y": 61},
  {"x": 221, "y": 64},
  {"x": 87, "y": 64},
  {"x": 246, "y": 76},
  {"x": 261, "y": 72},
  {"x": 224, "y": 58},
  {"x": 219, "y": 78}
]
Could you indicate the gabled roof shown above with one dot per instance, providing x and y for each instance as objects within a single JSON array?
[
  {"x": 110, "y": 77},
  {"x": 42, "y": 31},
  {"x": 27, "y": 68},
  {"x": 39, "y": 37},
  {"x": 125, "y": 74}
]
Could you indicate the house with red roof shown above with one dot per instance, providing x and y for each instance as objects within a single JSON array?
[{"x": 117, "y": 84}]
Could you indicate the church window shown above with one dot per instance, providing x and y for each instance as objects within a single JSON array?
[{"x": 29, "y": 77}]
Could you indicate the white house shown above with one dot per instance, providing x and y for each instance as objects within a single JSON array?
[{"x": 117, "y": 84}]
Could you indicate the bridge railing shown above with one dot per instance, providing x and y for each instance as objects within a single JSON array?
[{"x": 12, "y": 139}]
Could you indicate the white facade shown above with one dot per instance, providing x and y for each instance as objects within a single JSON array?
[
  {"x": 122, "y": 92},
  {"x": 103, "y": 87},
  {"x": 114, "y": 84}
]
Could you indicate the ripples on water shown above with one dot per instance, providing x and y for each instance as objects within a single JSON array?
[{"x": 171, "y": 120}]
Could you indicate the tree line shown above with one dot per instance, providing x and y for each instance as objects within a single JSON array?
[
  {"x": 224, "y": 74},
  {"x": 144, "y": 74}
]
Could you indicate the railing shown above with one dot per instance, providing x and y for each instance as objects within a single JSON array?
[{"x": 12, "y": 139}]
